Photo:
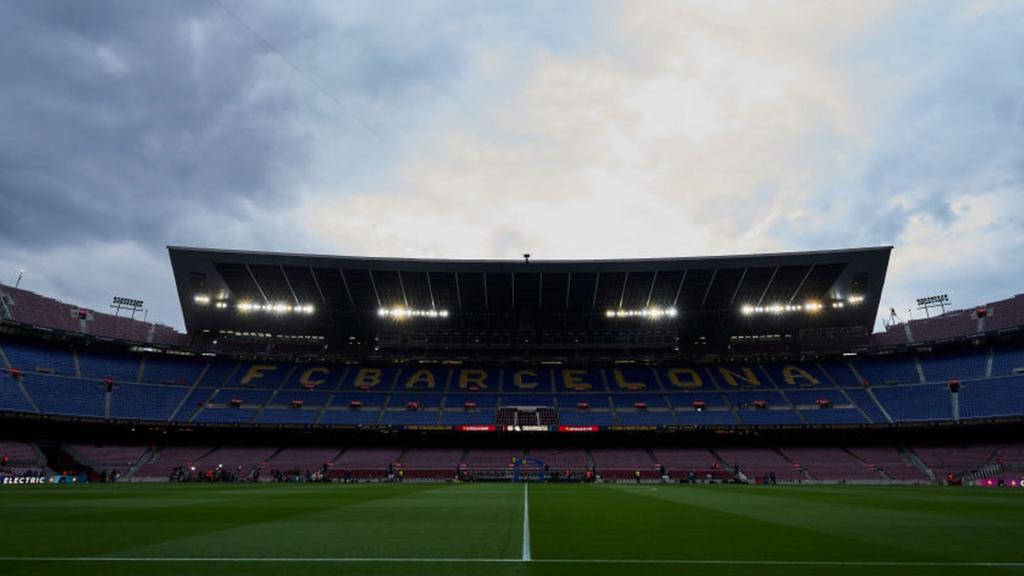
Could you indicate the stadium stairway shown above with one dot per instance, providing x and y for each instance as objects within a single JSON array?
[
  {"x": 855, "y": 456},
  {"x": 911, "y": 457},
  {"x": 784, "y": 456},
  {"x": 146, "y": 457},
  {"x": 191, "y": 389}
]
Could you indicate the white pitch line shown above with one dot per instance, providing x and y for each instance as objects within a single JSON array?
[
  {"x": 286, "y": 560},
  {"x": 526, "y": 522}
]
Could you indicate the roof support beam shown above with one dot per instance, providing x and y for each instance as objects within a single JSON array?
[
  {"x": 316, "y": 283},
  {"x": 401, "y": 285},
  {"x": 650, "y": 292},
  {"x": 679, "y": 290},
  {"x": 593, "y": 301},
  {"x": 487, "y": 301},
  {"x": 540, "y": 291},
  {"x": 289, "y": 284},
  {"x": 351, "y": 300},
  {"x": 430, "y": 290},
  {"x": 801, "y": 285},
  {"x": 258, "y": 287},
  {"x": 767, "y": 286},
  {"x": 568, "y": 283},
  {"x": 714, "y": 274},
  {"x": 738, "y": 284},
  {"x": 622, "y": 294},
  {"x": 458, "y": 291},
  {"x": 375, "y": 293}
]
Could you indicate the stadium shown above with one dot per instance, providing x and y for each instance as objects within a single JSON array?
[
  {"x": 322, "y": 413},
  {"x": 555, "y": 287}
]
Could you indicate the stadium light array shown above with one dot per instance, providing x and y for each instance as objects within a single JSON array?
[
  {"x": 277, "y": 308},
  {"x": 651, "y": 313},
  {"x": 404, "y": 313},
  {"x": 810, "y": 307}
]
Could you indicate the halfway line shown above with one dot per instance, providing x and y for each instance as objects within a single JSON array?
[{"x": 526, "y": 522}]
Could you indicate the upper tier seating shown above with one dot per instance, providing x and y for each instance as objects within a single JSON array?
[
  {"x": 43, "y": 379},
  {"x": 31, "y": 308}
]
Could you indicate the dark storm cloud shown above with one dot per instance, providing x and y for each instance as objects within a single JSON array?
[
  {"x": 120, "y": 121},
  {"x": 127, "y": 126}
]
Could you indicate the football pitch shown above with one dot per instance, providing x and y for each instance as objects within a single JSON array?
[{"x": 419, "y": 529}]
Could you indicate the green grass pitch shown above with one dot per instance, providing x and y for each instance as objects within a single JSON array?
[{"x": 420, "y": 529}]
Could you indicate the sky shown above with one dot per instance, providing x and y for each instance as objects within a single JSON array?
[{"x": 457, "y": 129}]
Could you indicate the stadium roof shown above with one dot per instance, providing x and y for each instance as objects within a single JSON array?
[{"x": 714, "y": 298}]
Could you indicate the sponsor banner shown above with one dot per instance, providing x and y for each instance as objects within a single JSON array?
[
  {"x": 477, "y": 428},
  {"x": 7, "y": 480},
  {"x": 579, "y": 428},
  {"x": 633, "y": 428},
  {"x": 527, "y": 428},
  {"x": 427, "y": 427}
]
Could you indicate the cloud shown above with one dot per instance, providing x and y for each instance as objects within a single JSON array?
[
  {"x": 568, "y": 130},
  {"x": 684, "y": 136}
]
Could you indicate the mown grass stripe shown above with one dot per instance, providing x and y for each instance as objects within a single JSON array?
[{"x": 287, "y": 560}]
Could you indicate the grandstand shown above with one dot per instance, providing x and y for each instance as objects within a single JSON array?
[{"x": 570, "y": 356}]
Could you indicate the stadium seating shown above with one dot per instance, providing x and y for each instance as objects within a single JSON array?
[
  {"x": 956, "y": 460},
  {"x": 367, "y": 462},
  {"x": 164, "y": 388},
  {"x": 145, "y": 402},
  {"x": 916, "y": 402},
  {"x": 966, "y": 366},
  {"x": 622, "y": 463},
  {"x": 12, "y": 399},
  {"x": 1007, "y": 360},
  {"x": 889, "y": 462},
  {"x": 30, "y": 358},
  {"x": 102, "y": 366},
  {"x": 895, "y": 370},
  {"x": 756, "y": 463},
  {"x": 679, "y": 462},
  {"x": 992, "y": 398},
  {"x": 32, "y": 309},
  {"x": 302, "y": 458},
  {"x": 863, "y": 400},
  {"x": 169, "y": 370},
  {"x": 831, "y": 464},
  {"x": 107, "y": 457},
  {"x": 287, "y": 416},
  {"x": 169, "y": 458},
  {"x": 22, "y": 458},
  {"x": 66, "y": 396}
]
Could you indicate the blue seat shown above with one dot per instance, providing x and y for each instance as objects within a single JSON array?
[
  {"x": 145, "y": 402},
  {"x": 32, "y": 358},
  {"x": 102, "y": 365},
  {"x": 66, "y": 396},
  {"x": 992, "y": 398},
  {"x": 287, "y": 416},
  {"x": 916, "y": 402},
  {"x": 705, "y": 418}
]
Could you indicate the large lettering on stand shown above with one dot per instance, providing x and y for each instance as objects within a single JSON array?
[
  {"x": 472, "y": 378},
  {"x": 685, "y": 378},
  {"x": 525, "y": 379},
  {"x": 367, "y": 378},
  {"x": 745, "y": 375},
  {"x": 307, "y": 381},
  {"x": 575, "y": 379},
  {"x": 419, "y": 377},
  {"x": 793, "y": 375},
  {"x": 255, "y": 372}
]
